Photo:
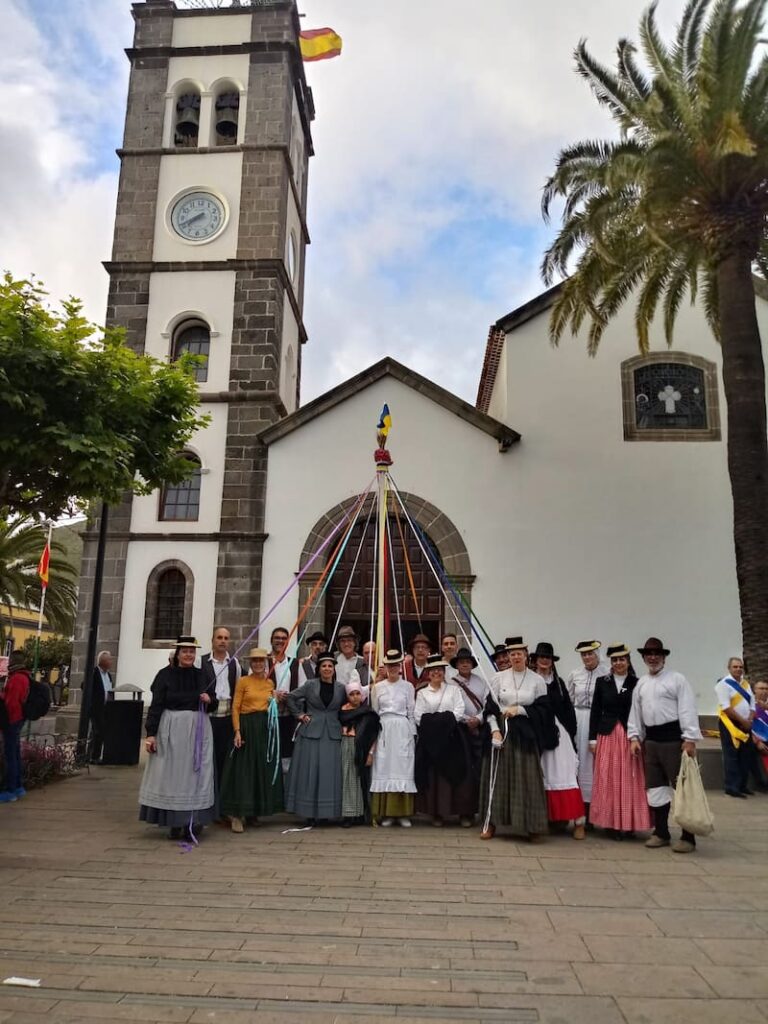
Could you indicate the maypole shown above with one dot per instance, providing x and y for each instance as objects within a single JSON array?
[{"x": 383, "y": 461}]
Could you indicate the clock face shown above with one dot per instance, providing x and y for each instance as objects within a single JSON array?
[{"x": 198, "y": 216}]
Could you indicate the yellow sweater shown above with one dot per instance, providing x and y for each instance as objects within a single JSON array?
[{"x": 251, "y": 694}]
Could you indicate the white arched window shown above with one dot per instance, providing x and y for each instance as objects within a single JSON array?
[
  {"x": 181, "y": 502},
  {"x": 193, "y": 337},
  {"x": 226, "y": 115},
  {"x": 186, "y": 122}
]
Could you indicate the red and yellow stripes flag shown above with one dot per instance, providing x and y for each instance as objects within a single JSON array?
[
  {"x": 320, "y": 44},
  {"x": 42, "y": 568}
]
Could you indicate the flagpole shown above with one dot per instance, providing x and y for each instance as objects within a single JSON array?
[
  {"x": 42, "y": 606},
  {"x": 383, "y": 461}
]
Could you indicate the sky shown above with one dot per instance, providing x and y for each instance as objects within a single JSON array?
[{"x": 435, "y": 132}]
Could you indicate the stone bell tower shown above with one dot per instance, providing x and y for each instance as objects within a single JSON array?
[{"x": 208, "y": 257}]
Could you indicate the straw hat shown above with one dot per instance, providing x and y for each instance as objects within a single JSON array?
[
  {"x": 258, "y": 652},
  {"x": 392, "y": 657}
]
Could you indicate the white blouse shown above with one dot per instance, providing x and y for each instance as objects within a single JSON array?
[
  {"x": 515, "y": 689},
  {"x": 447, "y": 698},
  {"x": 394, "y": 698}
]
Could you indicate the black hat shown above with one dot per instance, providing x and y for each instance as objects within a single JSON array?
[
  {"x": 653, "y": 646},
  {"x": 436, "y": 661},
  {"x": 462, "y": 654},
  {"x": 516, "y": 643},
  {"x": 186, "y": 641},
  {"x": 325, "y": 656},
  {"x": 497, "y": 650},
  {"x": 317, "y": 636},
  {"x": 617, "y": 651},
  {"x": 544, "y": 649}
]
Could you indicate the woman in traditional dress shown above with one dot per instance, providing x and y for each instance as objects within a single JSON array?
[
  {"x": 443, "y": 772},
  {"x": 359, "y": 729},
  {"x": 522, "y": 725},
  {"x": 619, "y": 800},
  {"x": 392, "y": 778},
  {"x": 252, "y": 781},
  {"x": 177, "y": 790},
  {"x": 560, "y": 764},
  {"x": 314, "y": 779},
  {"x": 581, "y": 687}
]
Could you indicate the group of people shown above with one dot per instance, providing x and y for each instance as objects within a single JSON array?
[{"x": 352, "y": 738}]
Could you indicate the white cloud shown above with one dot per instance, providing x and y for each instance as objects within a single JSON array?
[{"x": 438, "y": 115}]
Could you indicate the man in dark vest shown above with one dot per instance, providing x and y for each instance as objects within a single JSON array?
[
  {"x": 318, "y": 644},
  {"x": 223, "y": 670}
]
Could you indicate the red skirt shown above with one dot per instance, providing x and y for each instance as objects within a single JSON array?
[
  {"x": 618, "y": 795},
  {"x": 564, "y": 804}
]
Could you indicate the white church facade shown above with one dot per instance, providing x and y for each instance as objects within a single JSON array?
[{"x": 579, "y": 497}]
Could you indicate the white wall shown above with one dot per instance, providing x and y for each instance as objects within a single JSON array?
[
  {"x": 214, "y": 172},
  {"x": 137, "y": 664},
  {"x": 206, "y": 31},
  {"x": 209, "y": 445},
  {"x": 289, "y": 351}
]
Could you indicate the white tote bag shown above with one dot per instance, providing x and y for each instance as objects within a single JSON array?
[{"x": 692, "y": 811}]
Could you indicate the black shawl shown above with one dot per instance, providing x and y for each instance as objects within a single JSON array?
[
  {"x": 562, "y": 705},
  {"x": 367, "y": 728},
  {"x": 442, "y": 748},
  {"x": 535, "y": 730}
]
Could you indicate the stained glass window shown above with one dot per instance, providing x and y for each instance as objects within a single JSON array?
[{"x": 670, "y": 396}]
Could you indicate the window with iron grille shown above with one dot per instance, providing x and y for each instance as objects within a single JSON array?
[
  {"x": 169, "y": 611},
  {"x": 670, "y": 396}
]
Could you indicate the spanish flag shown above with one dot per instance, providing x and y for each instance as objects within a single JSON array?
[
  {"x": 320, "y": 44},
  {"x": 42, "y": 568}
]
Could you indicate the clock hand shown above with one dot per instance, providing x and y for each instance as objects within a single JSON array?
[{"x": 192, "y": 219}]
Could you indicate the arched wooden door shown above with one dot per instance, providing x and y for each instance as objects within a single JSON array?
[{"x": 425, "y": 615}]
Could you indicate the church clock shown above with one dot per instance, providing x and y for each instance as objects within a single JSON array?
[{"x": 198, "y": 216}]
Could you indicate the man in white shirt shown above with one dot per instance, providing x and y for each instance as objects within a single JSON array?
[
  {"x": 736, "y": 711},
  {"x": 664, "y": 719},
  {"x": 348, "y": 661},
  {"x": 223, "y": 670}
]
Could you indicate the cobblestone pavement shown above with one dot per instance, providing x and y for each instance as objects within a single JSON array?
[{"x": 372, "y": 925}]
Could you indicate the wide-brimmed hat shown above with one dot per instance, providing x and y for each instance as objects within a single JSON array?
[
  {"x": 346, "y": 631},
  {"x": 317, "y": 637},
  {"x": 186, "y": 641},
  {"x": 325, "y": 656},
  {"x": 499, "y": 649},
  {"x": 257, "y": 652},
  {"x": 436, "y": 661},
  {"x": 420, "y": 638},
  {"x": 392, "y": 657},
  {"x": 464, "y": 654},
  {"x": 544, "y": 649},
  {"x": 516, "y": 643},
  {"x": 653, "y": 646},
  {"x": 617, "y": 651},
  {"x": 585, "y": 646}
]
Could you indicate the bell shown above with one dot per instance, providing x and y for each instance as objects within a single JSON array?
[
  {"x": 188, "y": 116},
  {"x": 227, "y": 106}
]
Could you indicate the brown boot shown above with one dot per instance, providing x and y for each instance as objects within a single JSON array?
[{"x": 237, "y": 825}]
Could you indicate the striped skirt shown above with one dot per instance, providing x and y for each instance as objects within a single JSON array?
[
  {"x": 518, "y": 801},
  {"x": 352, "y": 805},
  {"x": 619, "y": 800}
]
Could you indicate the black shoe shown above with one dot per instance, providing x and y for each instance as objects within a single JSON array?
[
  {"x": 310, "y": 822},
  {"x": 175, "y": 834},
  {"x": 748, "y": 792},
  {"x": 739, "y": 796},
  {"x": 347, "y": 822}
]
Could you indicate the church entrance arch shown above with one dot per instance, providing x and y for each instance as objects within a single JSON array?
[{"x": 436, "y": 613}]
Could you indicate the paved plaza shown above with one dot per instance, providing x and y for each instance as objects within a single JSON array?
[{"x": 372, "y": 925}]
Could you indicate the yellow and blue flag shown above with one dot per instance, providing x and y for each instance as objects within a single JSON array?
[{"x": 385, "y": 422}]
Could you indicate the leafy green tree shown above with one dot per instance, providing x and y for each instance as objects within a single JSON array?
[
  {"x": 675, "y": 205},
  {"x": 54, "y": 651},
  {"x": 22, "y": 541},
  {"x": 82, "y": 416}
]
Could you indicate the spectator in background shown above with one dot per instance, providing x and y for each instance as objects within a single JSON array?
[
  {"x": 102, "y": 690},
  {"x": 14, "y": 694},
  {"x": 760, "y": 732},
  {"x": 736, "y": 705}
]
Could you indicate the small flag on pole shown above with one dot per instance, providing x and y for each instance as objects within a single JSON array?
[
  {"x": 42, "y": 568},
  {"x": 320, "y": 44},
  {"x": 385, "y": 422}
]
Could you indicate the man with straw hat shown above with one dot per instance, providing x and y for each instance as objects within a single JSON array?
[
  {"x": 581, "y": 688},
  {"x": 663, "y": 719}
]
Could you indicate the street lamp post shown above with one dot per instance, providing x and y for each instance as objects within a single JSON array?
[{"x": 93, "y": 629}]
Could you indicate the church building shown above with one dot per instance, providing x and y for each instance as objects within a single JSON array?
[{"x": 579, "y": 497}]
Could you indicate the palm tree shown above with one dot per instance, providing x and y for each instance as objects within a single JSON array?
[
  {"x": 677, "y": 204},
  {"x": 21, "y": 543}
]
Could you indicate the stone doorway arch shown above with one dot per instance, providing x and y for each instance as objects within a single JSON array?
[{"x": 439, "y": 529}]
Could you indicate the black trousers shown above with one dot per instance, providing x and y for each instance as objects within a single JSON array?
[
  {"x": 97, "y": 733},
  {"x": 223, "y": 742},
  {"x": 737, "y": 762}
]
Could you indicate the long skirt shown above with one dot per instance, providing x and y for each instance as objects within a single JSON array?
[
  {"x": 352, "y": 805},
  {"x": 394, "y": 760},
  {"x": 392, "y": 805},
  {"x": 252, "y": 785},
  {"x": 586, "y": 757},
  {"x": 619, "y": 799},
  {"x": 519, "y": 801},
  {"x": 442, "y": 800},
  {"x": 314, "y": 778},
  {"x": 172, "y": 792},
  {"x": 560, "y": 767}
]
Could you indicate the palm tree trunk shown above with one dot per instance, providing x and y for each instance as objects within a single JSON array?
[{"x": 744, "y": 382}]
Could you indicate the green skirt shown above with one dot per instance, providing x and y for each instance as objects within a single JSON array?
[
  {"x": 251, "y": 786},
  {"x": 393, "y": 805}
]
